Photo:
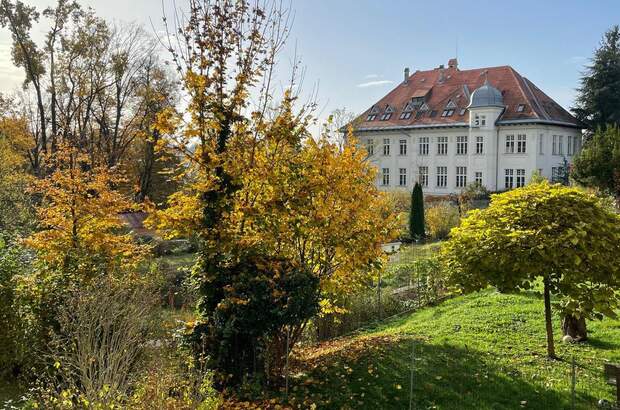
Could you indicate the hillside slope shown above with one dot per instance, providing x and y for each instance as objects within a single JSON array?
[{"x": 480, "y": 351}]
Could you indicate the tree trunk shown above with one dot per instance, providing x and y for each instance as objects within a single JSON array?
[
  {"x": 548, "y": 323},
  {"x": 575, "y": 327}
]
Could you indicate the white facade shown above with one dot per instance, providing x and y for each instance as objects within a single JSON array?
[{"x": 499, "y": 156}]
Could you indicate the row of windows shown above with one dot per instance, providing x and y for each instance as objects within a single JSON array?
[
  {"x": 423, "y": 179},
  {"x": 514, "y": 144},
  {"x": 424, "y": 143},
  {"x": 573, "y": 144},
  {"x": 515, "y": 178}
]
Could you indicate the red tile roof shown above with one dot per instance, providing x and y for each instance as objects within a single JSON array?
[{"x": 442, "y": 85}]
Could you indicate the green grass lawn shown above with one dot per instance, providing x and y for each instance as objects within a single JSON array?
[{"x": 481, "y": 351}]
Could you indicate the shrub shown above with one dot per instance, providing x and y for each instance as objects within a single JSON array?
[
  {"x": 98, "y": 347},
  {"x": 440, "y": 219}
]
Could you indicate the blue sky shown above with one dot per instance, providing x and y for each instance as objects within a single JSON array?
[{"x": 355, "y": 51}]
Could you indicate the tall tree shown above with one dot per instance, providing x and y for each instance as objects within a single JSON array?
[
  {"x": 598, "y": 99},
  {"x": 563, "y": 237},
  {"x": 598, "y": 163},
  {"x": 416, "y": 215}
]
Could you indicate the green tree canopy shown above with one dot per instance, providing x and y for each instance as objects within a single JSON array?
[
  {"x": 598, "y": 163},
  {"x": 598, "y": 99},
  {"x": 563, "y": 236}
]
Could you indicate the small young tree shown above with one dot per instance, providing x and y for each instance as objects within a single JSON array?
[
  {"x": 416, "y": 216},
  {"x": 562, "y": 236}
]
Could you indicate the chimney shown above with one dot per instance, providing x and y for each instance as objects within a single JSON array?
[
  {"x": 453, "y": 63},
  {"x": 406, "y": 75}
]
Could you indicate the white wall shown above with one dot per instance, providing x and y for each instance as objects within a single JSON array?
[{"x": 492, "y": 163}]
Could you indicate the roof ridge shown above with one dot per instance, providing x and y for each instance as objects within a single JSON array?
[
  {"x": 527, "y": 84},
  {"x": 514, "y": 74}
]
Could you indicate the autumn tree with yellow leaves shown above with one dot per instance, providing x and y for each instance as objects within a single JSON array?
[{"x": 284, "y": 221}]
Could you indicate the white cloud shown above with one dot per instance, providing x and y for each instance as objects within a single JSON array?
[
  {"x": 370, "y": 76},
  {"x": 375, "y": 83}
]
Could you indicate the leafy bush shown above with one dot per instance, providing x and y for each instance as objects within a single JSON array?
[
  {"x": 17, "y": 337},
  {"x": 247, "y": 306},
  {"x": 440, "y": 219}
]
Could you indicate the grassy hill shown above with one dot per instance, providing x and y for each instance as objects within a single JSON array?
[{"x": 481, "y": 351}]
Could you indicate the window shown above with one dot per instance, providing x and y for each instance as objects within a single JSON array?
[
  {"x": 541, "y": 144},
  {"x": 569, "y": 145},
  {"x": 370, "y": 147},
  {"x": 479, "y": 145},
  {"x": 461, "y": 177},
  {"x": 509, "y": 181},
  {"x": 520, "y": 107},
  {"x": 554, "y": 149},
  {"x": 461, "y": 145},
  {"x": 373, "y": 114},
  {"x": 402, "y": 176},
  {"x": 576, "y": 144},
  {"x": 520, "y": 178},
  {"x": 403, "y": 147},
  {"x": 478, "y": 178},
  {"x": 480, "y": 120},
  {"x": 442, "y": 177},
  {"x": 510, "y": 144},
  {"x": 386, "y": 147},
  {"x": 423, "y": 176},
  {"x": 433, "y": 114},
  {"x": 387, "y": 114},
  {"x": 385, "y": 177},
  {"x": 462, "y": 112},
  {"x": 423, "y": 146},
  {"x": 442, "y": 145},
  {"x": 407, "y": 111},
  {"x": 447, "y": 113},
  {"x": 521, "y": 140},
  {"x": 560, "y": 145}
]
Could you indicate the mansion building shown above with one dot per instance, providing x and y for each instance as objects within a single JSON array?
[{"x": 447, "y": 128}]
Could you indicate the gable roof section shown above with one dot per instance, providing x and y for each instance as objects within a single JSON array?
[{"x": 443, "y": 85}]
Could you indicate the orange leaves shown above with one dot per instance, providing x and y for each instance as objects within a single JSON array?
[{"x": 79, "y": 215}]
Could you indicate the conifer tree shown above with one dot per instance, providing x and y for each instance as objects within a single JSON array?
[{"x": 416, "y": 216}]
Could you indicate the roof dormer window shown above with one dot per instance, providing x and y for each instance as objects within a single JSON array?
[
  {"x": 373, "y": 114},
  {"x": 462, "y": 112},
  {"x": 387, "y": 114},
  {"x": 407, "y": 111},
  {"x": 450, "y": 105},
  {"x": 447, "y": 113},
  {"x": 520, "y": 107}
]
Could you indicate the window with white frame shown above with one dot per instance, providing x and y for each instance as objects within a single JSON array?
[
  {"x": 554, "y": 147},
  {"x": 385, "y": 174},
  {"x": 442, "y": 177},
  {"x": 386, "y": 147},
  {"x": 461, "y": 177},
  {"x": 520, "y": 178},
  {"x": 423, "y": 176},
  {"x": 510, "y": 144},
  {"x": 402, "y": 147},
  {"x": 480, "y": 120},
  {"x": 521, "y": 141},
  {"x": 373, "y": 114},
  {"x": 370, "y": 146},
  {"x": 423, "y": 146},
  {"x": 402, "y": 176},
  {"x": 387, "y": 114},
  {"x": 569, "y": 145},
  {"x": 461, "y": 145},
  {"x": 479, "y": 145},
  {"x": 541, "y": 144},
  {"x": 442, "y": 145},
  {"x": 478, "y": 178},
  {"x": 560, "y": 145},
  {"x": 576, "y": 144},
  {"x": 510, "y": 179}
]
